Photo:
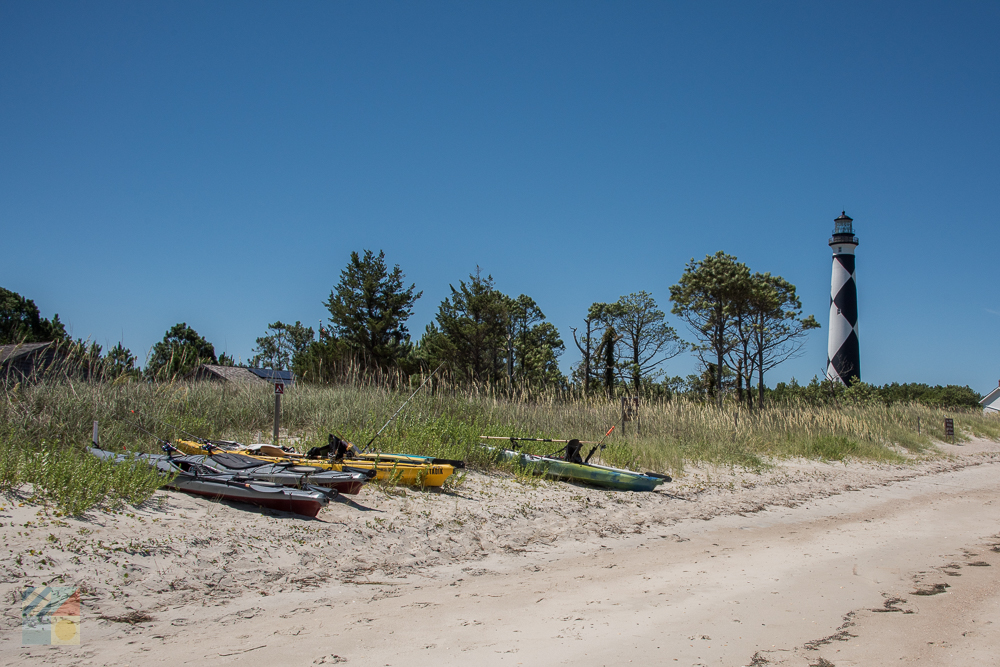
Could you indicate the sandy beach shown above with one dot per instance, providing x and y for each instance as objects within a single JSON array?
[{"x": 808, "y": 563}]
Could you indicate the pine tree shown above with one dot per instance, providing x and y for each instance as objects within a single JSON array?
[
  {"x": 181, "y": 351},
  {"x": 473, "y": 322},
  {"x": 369, "y": 308},
  {"x": 280, "y": 345},
  {"x": 647, "y": 341},
  {"x": 704, "y": 298},
  {"x": 21, "y": 321}
]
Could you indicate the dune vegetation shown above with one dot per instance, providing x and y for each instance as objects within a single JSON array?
[{"x": 45, "y": 427}]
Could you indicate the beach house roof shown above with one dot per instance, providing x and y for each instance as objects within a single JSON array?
[
  {"x": 991, "y": 401},
  {"x": 238, "y": 374},
  {"x": 254, "y": 376}
]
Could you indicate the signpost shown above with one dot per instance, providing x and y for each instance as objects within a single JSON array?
[
  {"x": 279, "y": 389},
  {"x": 949, "y": 429}
]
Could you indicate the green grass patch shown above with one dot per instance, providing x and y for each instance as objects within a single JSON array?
[{"x": 71, "y": 479}]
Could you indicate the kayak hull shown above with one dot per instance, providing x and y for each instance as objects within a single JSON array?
[
  {"x": 206, "y": 482},
  {"x": 286, "y": 474},
  {"x": 282, "y": 498},
  {"x": 595, "y": 475}
]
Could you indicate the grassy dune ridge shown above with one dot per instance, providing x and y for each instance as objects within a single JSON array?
[{"x": 45, "y": 427}]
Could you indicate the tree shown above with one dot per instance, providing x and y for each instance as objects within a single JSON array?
[
  {"x": 533, "y": 345},
  {"x": 280, "y": 345},
  {"x": 646, "y": 339},
  {"x": 599, "y": 348},
  {"x": 486, "y": 336},
  {"x": 21, "y": 321},
  {"x": 606, "y": 351},
  {"x": 778, "y": 329},
  {"x": 537, "y": 353},
  {"x": 181, "y": 351},
  {"x": 323, "y": 359},
  {"x": 740, "y": 360},
  {"x": 703, "y": 298},
  {"x": 588, "y": 343},
  {"x": 118, "y": 362},
  {"x": 471, "y": 330},
  {"x": 369, "y": 308}
]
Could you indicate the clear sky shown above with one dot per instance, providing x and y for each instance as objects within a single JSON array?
[{"x": 215, "y": 163}]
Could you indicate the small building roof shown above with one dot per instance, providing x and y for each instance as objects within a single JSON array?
[
  {"x": 19, "y": 351},
  {"x": 224, "y": 373},
  {"x": 272, "y": 376}
]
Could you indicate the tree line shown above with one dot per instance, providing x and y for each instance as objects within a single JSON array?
[
  {"x": 832, "y": 392},
  {"x": 740, "y": 325}
]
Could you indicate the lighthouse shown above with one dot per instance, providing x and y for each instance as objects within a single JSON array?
[{"x": 843, "y": 357}]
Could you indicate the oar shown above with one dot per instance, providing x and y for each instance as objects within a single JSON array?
[{"x": 401, "y": 407}]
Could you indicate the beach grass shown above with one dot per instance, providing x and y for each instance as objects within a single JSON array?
[
  {"x": 70, "y": 479},
  {"x": 48, "y": 425}
]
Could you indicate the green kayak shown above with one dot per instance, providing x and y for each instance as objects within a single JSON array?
[{"x": 587, "y": 473}]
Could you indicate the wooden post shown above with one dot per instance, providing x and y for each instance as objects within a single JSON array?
[
  {"x": 918, "y": 425},
  {"x": 279, "y": 389}
]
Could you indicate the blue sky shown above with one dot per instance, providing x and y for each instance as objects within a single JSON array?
[{"x": 216, "y": 163}]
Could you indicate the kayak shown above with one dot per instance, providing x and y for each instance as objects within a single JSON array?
[
  {"x": 411, "y": 459},
  {"x": 284, "y": 474},
  {"x": 202, "y": 480},
  {"x": 339, "y": 448},
  {"x": 587, "y": 473},
  {"x": 409, "y": 474}
]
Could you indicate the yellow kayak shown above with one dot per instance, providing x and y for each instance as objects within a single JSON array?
[
  {"x": 413, "y": 473},
  {"x": 343, "y": 449}
]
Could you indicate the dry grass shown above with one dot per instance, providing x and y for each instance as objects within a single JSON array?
[{"x": 449, "y": 422}]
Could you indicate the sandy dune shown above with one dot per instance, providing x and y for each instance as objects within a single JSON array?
[{"x": 806, "y": 563}]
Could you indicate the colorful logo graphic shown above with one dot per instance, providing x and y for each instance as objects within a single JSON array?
[{"x": 50, "y": 615}]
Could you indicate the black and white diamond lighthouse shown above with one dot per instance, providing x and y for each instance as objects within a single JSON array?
[{"x": 843, "y": 357}]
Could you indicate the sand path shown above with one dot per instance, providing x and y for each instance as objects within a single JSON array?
[
  {"x": 789, "y": 586},
  {"x": 814, "y": 563}
]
